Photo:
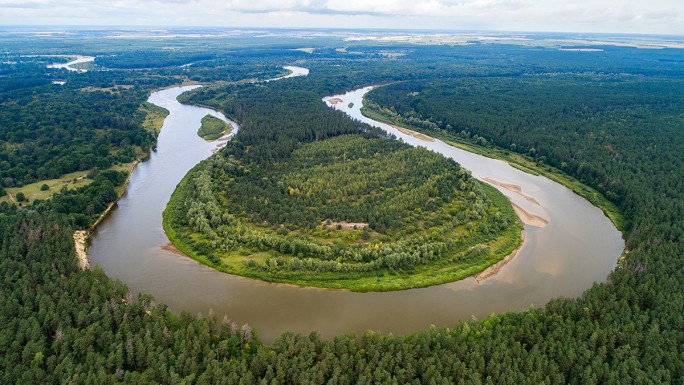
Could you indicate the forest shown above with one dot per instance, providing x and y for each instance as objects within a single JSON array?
[
  {"x": 303, "y": 172},
  {"x": 623, "y": 136},
  {"x": 563, "y": 121}
]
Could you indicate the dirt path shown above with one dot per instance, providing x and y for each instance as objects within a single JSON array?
[{"x": 345, "y": 225}]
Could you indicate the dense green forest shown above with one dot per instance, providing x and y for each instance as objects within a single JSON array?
[
  {"x": 94, "y": 123},
  {"x": 64, "y": 325},
  {"x": 564, "y": 121},
  {"x": 46, "y": 131}
]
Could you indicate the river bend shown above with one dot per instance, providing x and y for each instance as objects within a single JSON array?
[{"x": 575, "y": 248}]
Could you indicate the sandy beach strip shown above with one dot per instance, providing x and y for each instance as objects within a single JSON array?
[
  {"x": 494, "y": 269},
  {"x": 513, "y": 188},
  {"x": 415, "y": 134},
  {"x": 529, "y": 219},
  {"x": 80, "y": 237}
]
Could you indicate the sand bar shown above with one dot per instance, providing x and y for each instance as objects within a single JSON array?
[
  {"x": 529, "y": 219},
  {"x": 494, "y": 269},
  {"x": 415, "y": 134},
  {"x": 512, "y": 187}
]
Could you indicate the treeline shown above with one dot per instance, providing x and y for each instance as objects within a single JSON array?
[
  {"x": 21, "y": 75},
  {"x": 61, "y": 323},
  {"x": 94, "y": 120},
  {"x": 606, "y": 130},
  {"x": 51, "y": 132}
]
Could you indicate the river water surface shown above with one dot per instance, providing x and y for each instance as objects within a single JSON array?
[
  {"x": 79, "y": 59},
  {"x": 578, "y": 246}
]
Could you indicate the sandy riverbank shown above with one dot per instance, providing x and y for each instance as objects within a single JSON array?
[
  {"x": 494, "y": 269},
  {"x": 80, "y": 239},
  {"x": 415, "y": 134},
  {"x": 529, "y": 219},
  {"x": 173, "y": 249},
  {"x": 512, "y": 187},
  {"x": 526, "y": 217}
]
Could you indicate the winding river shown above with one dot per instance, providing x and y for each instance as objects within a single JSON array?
[
  {"x": 568, "y": 246},
  {"x": 68, "y": 66}
]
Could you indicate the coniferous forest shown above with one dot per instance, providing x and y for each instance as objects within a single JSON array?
[{"x": 611, "y": 118}]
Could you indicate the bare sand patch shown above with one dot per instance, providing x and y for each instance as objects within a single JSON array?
[
  {"x": 581, "y": 49},
  {"x": 80, "y": 237},
  {"x": 495, "y": 268},
  {"x": 512, "y": 187},
  {"x": 334, "y": 101},
  {"x": 529, "y": 218},
  {"x": 345, "y": 225},
  {"x": 218, "y": 147},
  {"x": 173, "y": 249},
  {"x": 415, "y": 134},
  {"x": 307, "y": 50}
]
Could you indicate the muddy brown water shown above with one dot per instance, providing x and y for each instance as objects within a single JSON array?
[{"x": 578, "y": 246}]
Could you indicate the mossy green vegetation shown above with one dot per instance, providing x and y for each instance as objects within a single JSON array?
[
  {"x": 213, "y": 128},
  {"x": 348, "y": 212}
]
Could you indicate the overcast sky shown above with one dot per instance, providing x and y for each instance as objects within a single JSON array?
[{"x": 621, "y": 16}]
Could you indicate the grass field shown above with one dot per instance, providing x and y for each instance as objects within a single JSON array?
[
  {"x": 33, "y": 191},
  {"x": 69, "y": 181}
]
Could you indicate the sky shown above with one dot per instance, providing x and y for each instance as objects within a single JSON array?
[{"x": 609, "y": 16}]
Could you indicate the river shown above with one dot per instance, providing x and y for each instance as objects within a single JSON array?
[
  {"x": 79, "y": 59},
  {"x": 576, "y": 247}
]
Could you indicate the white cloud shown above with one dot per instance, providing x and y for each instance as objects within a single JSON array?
[{"x": 654, "y": 16}]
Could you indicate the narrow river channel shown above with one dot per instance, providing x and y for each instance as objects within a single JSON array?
[
  {"x": 571, "y": 245},
  {"x": 78, "y": 60}
]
